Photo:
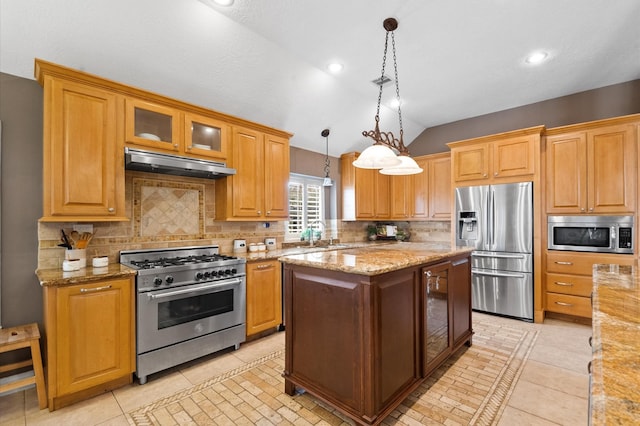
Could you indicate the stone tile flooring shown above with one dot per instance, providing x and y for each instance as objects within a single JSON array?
[{"x": 552, "y": 389}]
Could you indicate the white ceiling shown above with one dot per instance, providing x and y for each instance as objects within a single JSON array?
[{"x": 265, "y": 60}]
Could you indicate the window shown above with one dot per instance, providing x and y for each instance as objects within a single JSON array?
[{"x": 306, "y": 195}]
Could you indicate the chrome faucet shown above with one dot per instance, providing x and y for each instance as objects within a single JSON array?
[{"x": 324, "y": 227}]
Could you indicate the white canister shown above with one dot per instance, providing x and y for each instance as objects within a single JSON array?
[
  {"x": 253, "y": 247},
  {"x": 270, "y": 242},
  {"x": 100, "y": 261},
  {"x": 71, "y": 265},
  {"x": 261, "y": 247}
]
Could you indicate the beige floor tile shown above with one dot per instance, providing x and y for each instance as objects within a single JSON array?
[
  {"x": 549, "y": 404},
  {"x": 512, "y": 416},
  {"x": 206, "y": 369},
  {"x": 90, "y": 412},
  {"x": 560, "y": 379},
  {"x": 158, "y": 386},
  {"x": 561, "y": 357},
  {"x": 259, "y": 348},
  {"x": 120, "y": 420},
  {"x": 11, "y": 407}
]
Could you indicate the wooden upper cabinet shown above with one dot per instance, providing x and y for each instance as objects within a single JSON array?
[
  {"x": 153, "y": 126},
  {"x": 276, "y": 177},
  {"x": 367, "y": 194},
  {"x": 505, "y": 157},
  {"x": 471, "y": 162},
  {"x": 174, "y": 131},
  {"x": 259, "y": 189},
  {"x": 592, "y": 171},
  {"x": 83, "y": 164},
  {"x": 440, "y": 191}
]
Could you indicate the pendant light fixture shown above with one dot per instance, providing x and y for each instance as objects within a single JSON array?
[
  {"x": 381, "y": 154},
  {"x": 327, "y": 163}
]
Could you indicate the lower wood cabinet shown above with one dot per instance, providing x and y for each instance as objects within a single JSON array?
[
  {"x": 90, "y": 339},
  {"x": 264, "y": 296},
  {"x": 568, "y": 280}
]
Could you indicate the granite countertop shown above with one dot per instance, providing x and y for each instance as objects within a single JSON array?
[
  {"x": 615, "y": 381},
  {"x": 58, "y": 277},
  {"x": 375, "y": 260}
]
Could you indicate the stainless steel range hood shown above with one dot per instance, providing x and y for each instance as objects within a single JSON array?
[{"x": 147, "y": 161}]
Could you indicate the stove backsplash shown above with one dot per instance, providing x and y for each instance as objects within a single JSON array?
[{"x": 171, "y": 211}]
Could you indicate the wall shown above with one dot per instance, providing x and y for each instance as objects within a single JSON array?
[
  {"x": 21, "y": 116},
  {"x": 606, "y": 102}
]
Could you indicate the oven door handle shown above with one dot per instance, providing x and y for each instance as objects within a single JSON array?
[{"x": 194, "y": 290}]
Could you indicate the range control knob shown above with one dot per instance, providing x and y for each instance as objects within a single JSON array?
[
  {"x": 169, "y": 279},
  {"x": 157, "y": 281},
  {"x": 227, "y": 271},
  {"x": 199, "y": 276},
  {"x": 207, "y": 274},
  {"x": 234, "y": 271}
]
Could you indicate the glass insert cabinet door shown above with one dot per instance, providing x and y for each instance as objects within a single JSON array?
[
  {"x": 152, "y": 125},
  {"x": 205, "y": 136},
  {"x": 435, "y": 287}
]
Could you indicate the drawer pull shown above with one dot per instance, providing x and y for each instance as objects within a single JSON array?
[
  {"x": 563, "y": 284},
  {"x": 89, "y": 290},
  {"x": 563, "y": 263},
  {"x": 263, "y": 266},
  {"x": 591, "y": 341},
  {"x": 589, "y": 367},
  {"x": 564, "y": 304}
]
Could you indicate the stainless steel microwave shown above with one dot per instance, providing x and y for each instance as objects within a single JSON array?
[{"x": 600, "y": 234}]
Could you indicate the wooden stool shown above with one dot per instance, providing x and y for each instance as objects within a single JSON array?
[{"x": 24, "y": 336}]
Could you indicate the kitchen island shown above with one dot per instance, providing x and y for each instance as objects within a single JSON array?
[
  {"x": 366, "y": 326},
  {"x": 615, "y": 369}
]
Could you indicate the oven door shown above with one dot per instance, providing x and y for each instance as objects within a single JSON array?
[{"x": 173, "y": 315}]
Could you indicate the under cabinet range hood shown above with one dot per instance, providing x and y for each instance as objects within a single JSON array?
[{"x": 147, "y": 161}]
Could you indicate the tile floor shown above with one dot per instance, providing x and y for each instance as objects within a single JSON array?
[{"x": 552, "y": 389}]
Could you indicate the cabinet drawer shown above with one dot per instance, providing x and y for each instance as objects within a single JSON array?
[
  {"x": 568, "y": 262},
  {"x": 577, "y": 285},
  {"x": 570, "y": 305}
]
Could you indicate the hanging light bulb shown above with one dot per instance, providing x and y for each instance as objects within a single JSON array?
[
  {"x": 381, "y": 155},
  {"x": 327, "y": 180}
]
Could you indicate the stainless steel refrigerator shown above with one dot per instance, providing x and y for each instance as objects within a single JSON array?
[{"x": 498, "y": 221}]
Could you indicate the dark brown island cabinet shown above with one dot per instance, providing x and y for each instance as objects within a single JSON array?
[{"x": 362, "y": 343}]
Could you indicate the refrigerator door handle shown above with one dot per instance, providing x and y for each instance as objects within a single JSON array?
[
  {"x": 496, "y": 274},
  {"x": 500, "y": 256}
]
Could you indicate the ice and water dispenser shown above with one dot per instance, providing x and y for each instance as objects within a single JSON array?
[{"x": 467, "y": 227}]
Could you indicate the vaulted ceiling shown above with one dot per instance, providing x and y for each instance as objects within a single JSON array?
[{"x": 265, "y": 60}]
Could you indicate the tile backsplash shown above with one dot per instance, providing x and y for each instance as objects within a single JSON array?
[{"x": 171, "y": 211}]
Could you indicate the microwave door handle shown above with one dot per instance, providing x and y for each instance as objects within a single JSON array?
[{"x": 194, "y": 291}]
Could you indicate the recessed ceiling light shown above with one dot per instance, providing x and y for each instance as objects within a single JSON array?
[
  {"x": 335, "y": 68},
  {"x": 223, "y": 2},
  {"x": 536, "y": 57}
]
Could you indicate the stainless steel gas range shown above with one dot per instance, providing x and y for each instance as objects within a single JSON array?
[{"x": 191, "y": 302}]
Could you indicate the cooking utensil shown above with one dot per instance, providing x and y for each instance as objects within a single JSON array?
[
  {"x": 65, "y": 241},
  {"x": 83, "y": 240}
]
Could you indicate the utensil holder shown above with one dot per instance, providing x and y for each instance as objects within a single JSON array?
[{"x": 80, "y": 254}]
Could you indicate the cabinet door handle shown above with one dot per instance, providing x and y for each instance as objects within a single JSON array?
[
  {"x": 111, "y": 209},
  {"x": 564, "y": 304},
  {"x": 564, "y": 263},
  {"x": 563, "y": 284},
  {"x": 259, "y": 212},
  {"x": 263, "y": 266},
  {"x": 90, "y": 290},
  {"x": 268, "y": 211}
]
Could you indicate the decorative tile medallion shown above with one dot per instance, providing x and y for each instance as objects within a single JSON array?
[{"x": 167, "y": 208}]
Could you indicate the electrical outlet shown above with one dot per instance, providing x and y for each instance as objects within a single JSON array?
[{"x": 80, "y": 228}]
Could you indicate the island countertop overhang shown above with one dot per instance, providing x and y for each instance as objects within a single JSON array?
[{"x": 376, "y": 259}]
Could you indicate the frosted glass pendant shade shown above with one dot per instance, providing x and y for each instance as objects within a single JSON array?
[
  {"x": 407, "y": 166},
  {"x": 377, "y": 157},
  {"x": 327, "y": 181}
]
